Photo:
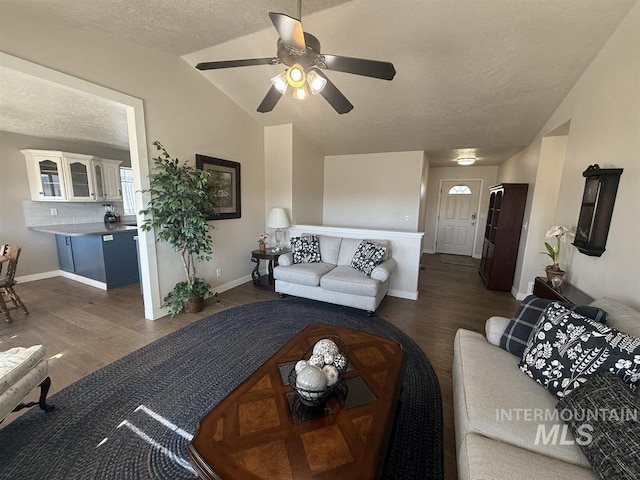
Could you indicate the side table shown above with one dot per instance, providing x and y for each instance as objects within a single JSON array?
[
  {"x": 565, "y": 293},
  {"x": 268, "y": 254}
]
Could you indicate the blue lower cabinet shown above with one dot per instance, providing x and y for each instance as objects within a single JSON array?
[{"x": 108, "y": 258}]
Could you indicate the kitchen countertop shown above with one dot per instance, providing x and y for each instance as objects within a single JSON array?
[{"x": 77, "y": 229}]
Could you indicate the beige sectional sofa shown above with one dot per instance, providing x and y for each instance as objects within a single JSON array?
[
  {"x": 498, "y": 409},
  {"x": 333, "y": 280}
]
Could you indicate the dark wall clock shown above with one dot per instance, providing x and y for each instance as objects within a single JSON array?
[{"x": 596, "y": 209}]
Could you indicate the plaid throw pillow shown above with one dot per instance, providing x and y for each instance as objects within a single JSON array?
[
  {"x": 305, "y": 249},
  {"x": 368, "y": 256},
  {"x": 515, "y": 337},
  {"x": 612, "y": 445}
]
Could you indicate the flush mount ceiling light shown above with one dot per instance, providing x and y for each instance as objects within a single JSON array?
[{"x": 466, "y": 161}]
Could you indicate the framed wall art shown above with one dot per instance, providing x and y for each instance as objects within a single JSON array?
[{"x": 224, "y": 182}]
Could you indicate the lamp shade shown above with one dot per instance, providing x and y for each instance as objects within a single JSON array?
[{"x": 278, "y": 218}]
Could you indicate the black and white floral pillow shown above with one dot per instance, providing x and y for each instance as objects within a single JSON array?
[
  {"x": 368, "y": 256},
  {"x": 305, "y": 249},
  {"x": 566, "y": 348}
]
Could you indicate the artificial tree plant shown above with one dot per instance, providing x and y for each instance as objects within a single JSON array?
[{"x": 179, "y": 198}]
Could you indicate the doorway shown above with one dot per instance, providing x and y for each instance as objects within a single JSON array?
[
  {"x": 457, "y": 216},
  {"x": 139, "y": 163}
]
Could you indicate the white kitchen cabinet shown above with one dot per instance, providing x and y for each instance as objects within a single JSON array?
[
  {"x": 72, "y": 177},
  {"x": 46, "y": 175},
  {"x": 81, "y": 183},
  {"x": 112, "y": 183}
]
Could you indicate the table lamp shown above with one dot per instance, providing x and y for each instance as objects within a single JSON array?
[{"x": 278, "y": 219}]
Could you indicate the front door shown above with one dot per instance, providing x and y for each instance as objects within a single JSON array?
[{"x": 457, "y": 217}]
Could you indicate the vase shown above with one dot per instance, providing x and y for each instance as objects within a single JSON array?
[
  {"x": 551, "y": 273},
  {"x": 194, "y": 304},
  {"x": 262, "y": 247}
]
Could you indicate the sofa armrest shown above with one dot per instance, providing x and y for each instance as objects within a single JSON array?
[
  {"x": 494, "y": 328},
  {"x": 285, "y": 259},
  {"x": 384, "y": 270}
]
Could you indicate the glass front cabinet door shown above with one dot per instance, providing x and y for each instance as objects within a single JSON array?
[
  {"x": 46, "y": 175},
  {"x": 81, "y": 183}
]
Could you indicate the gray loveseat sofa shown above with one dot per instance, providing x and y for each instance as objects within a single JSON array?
[
  {"x": 498, "y": 408},
  {"x": 333, "y": 279}
]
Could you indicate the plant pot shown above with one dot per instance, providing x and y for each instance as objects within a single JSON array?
[
  {"x": 551, "y": 273},
  {"x": 195, "y": 304},
  {"x": 262, "y": 248}
]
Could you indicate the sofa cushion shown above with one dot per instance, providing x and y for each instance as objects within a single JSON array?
[
  {"x": 368, "y": 256},
  {"x": 486, "y": 459},
  {"x": 621, "y": 317},
  {"x": 348, "y": 280},
  {"x": 16, "y": 362},
  {"x": 495, "y": 399},
  {"x": 516, "y": 335},
  {"x": 329, "y": 248},
  {"x": 348, "y": 249},
  {"x": 303, "y": 273},
  {"x": 609, "y": 437},
  {"x": 305, "y": 249},
  {"x": 566, "y": 348}
]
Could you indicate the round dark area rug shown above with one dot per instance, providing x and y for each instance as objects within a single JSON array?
[{"x": 134, "y": 418}]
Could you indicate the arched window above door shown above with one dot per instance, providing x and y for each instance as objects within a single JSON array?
[{"x": 459, "y": 190}]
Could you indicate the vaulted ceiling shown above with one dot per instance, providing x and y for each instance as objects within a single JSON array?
[{"x": 473, "y": 76}]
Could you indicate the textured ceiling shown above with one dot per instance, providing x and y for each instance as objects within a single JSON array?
[
  {"x": 473, "y": 75},
  {"x": 31, "y": 106}
]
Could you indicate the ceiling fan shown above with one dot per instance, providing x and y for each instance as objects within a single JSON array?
[{"x": 300, "y": 52}]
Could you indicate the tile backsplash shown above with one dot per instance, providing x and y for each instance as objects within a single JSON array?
[{"x": 39, "y": 213}]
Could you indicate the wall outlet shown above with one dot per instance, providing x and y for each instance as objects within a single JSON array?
[
  {"x": 406, "y": 218},
  {"x": 219, "y": 272},
  {"x": 54, "y": 212}
]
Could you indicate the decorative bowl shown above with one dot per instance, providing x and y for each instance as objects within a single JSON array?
[{"x": 314, "y": 397}]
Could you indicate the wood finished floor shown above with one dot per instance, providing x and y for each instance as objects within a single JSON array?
[{"x": 84, "y": 328}]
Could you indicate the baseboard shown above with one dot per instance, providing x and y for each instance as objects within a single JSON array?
[
  {"x": 38, "y": 276},
  {"x": 430, "y": 251},
  {"x": 85, "y": 280},
  {"x": 228, "y": 286},
  {"x": 517, "y": 295},
  {"x": 403, "y": 294},
  {"x": 475, "y": 255}
]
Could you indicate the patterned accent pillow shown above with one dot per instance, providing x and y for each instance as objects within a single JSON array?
[
  {"x": 368, "y": 256},
  {"x": 305, "y": 249},
  {"x": 516, "y": 335},
  {"x": 567, "y": 348},
  {"x": 603, "y": 417}
]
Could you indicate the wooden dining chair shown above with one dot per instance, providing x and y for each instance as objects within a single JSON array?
[{"x": 10, "y": 255}]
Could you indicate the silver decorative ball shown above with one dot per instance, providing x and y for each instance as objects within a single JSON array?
[
  {"x": 316, "y": 360},
  {"x": 325, "y": 346},
  {"x": 300, "y": 365},
  {"x": 340, "y": 361},
  {"x": 332, "y": 374}
]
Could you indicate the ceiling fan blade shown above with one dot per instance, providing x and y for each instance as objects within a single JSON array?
[
  {"x": 270, "y": 99},
  {"x": 290, "y": 31},
  {"x": 334, "y": 96},
  {"x": 359, "y": 66},
  {"x": 237, "y": 63}
]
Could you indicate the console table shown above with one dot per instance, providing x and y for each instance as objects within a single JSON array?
[{"x": 564, "y": 293}]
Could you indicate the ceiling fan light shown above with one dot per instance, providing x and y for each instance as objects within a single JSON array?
[
  {"x": 466, "y": 161},
  {"x": 296, "y": 76},
  {"x": 316, "y": 82},
  {"x": 300, "y": 93},
  {"x": 280, "y": 82}
]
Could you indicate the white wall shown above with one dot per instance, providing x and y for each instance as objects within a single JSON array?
[
  {"x": 373, "y": 190},
  {"x": 308, "y": 180},
  {"x": 604, "y": 110},
  {"x": 182, "y": 110},
  {"x": 436, "y": 176}
]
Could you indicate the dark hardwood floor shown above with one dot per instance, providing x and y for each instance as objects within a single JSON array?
[{"x": 83, "y": 328}]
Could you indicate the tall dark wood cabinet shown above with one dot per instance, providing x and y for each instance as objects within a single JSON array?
[{"x": 502, "y": 234}]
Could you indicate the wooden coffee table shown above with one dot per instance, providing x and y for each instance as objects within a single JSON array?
[{"x": 261, "y": 431}]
